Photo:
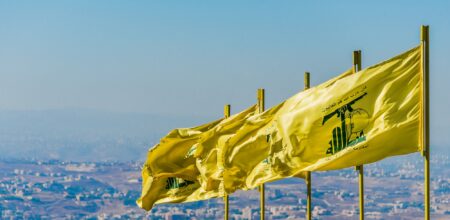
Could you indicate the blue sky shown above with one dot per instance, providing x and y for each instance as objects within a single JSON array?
[{"x": 190, "y": 58}]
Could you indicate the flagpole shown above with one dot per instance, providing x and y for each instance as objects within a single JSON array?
[
  {"x": 308, "y": 173},
  {"x": 226, "y": 114},
  {"x": 425, "y": 128},
  {"x": 261, "y": 187},
  {"x": 359, "y": 168}
]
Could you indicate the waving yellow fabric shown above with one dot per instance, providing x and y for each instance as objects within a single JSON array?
[
  {"x": 186, "y": 165},
  {"x": 170, "y": 173},
  {"x": 350, "y": 120},
  {"x": 210, "y": 157}
]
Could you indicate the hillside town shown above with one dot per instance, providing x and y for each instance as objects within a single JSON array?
[{"x": 34, "y": 189}]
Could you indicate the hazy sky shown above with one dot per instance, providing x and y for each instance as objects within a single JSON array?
[{"x": 179, "y": 58}]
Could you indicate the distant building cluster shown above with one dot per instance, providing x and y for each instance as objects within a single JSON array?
[{"x": 31, "y": 189}]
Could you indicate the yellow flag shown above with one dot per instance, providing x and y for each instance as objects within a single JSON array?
[
  {"x": 170, "y": 173},
  {"x": 210, "y": 157},
  {"x": 248, "y": 155},
  {"x": 350, "y": 120}
]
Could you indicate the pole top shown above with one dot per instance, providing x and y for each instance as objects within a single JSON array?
[
  {"x": 226, "y": 110},
  {"x": 356, "y": 60},
  {"x": 260, "y": 100},
  {"x": 307, "y": 80},
  {"x": 424, "y": 35},
  {"x": 356, "y": 56},
  {"x": 260, "y": 93}
]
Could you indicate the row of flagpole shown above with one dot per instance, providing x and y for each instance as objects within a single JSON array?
[
  {"x": 356, "y": 68},
  {"x": 307, "y": 83},
  {"x": 262, "y": 199},
  {"x": 424, "y": 43},
  {"x": 226, "y": 114}
]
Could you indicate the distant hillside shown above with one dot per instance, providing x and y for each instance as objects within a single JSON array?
[{"x": 82, "y": 135}]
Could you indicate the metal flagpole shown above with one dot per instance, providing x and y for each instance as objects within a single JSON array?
[
  {"x": 360, "y": 168},
  {"x": 261, "y": 187},
  {"x": 425, "y": 128},
  {"x": 226, "y": 114},
  {"x": 308, "y": 173}
]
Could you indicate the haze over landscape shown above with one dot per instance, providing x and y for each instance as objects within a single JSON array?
[
  {"x": 87, "y": 87},
  {"x": 83, "y": 81}
]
